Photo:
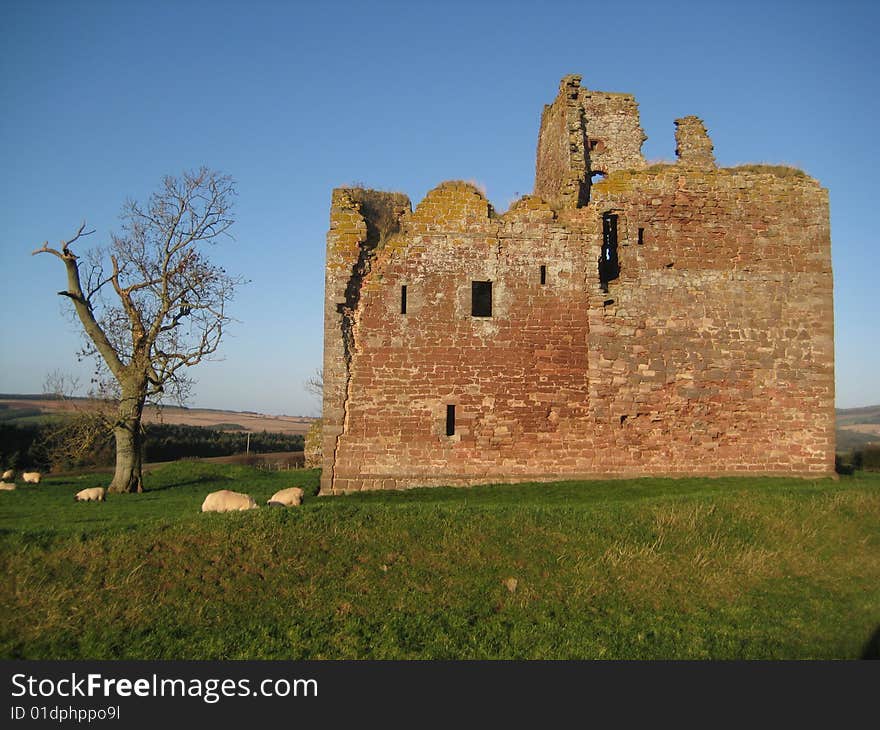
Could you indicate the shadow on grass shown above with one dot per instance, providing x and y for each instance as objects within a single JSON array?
[
  {"x": 201, "y": 479},
  {"x": 872, "y": 648}
]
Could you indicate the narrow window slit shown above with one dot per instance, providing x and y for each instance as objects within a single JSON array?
[
  {"x": 641, "y": 236},
  {"x": 609, "y": 266},
  {"x": 403, "y": 299},
  {"x": 450, "y": 420},
  {"x": 543, "y": 275}
]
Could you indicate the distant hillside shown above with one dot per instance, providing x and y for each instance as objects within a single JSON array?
[
  {"x": 868, "y": 414},
  {"x": 24, "y": 409},
  {"x": 857, "y": 427}
]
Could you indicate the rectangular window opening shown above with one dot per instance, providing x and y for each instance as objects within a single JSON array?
[
  {"x": 481, "y": 298},
  {"x": 543, "y": 275},
  {"x": 641, "y": 236},
  {"x": 450, "y": 420},
  {"x": 403, "y": 299}
]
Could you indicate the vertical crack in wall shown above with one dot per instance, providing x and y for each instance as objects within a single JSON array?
[
  {"x": 381, "y": 213},
  {"x": 348, "y": 310}
]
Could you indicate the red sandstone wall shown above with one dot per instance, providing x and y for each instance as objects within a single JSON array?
[
  {"x": 517, "y": 379},
  {"x": 717, "y": 353},
  {"x": 712, "y": 353}
]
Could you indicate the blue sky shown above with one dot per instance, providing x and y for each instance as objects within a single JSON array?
[{"x": 101, "y": 99}]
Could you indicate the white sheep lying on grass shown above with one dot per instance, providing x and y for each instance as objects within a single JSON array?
[
  {"x": 31, "y": 477},
  {"x": 93, "y": 494},
  {"x": 291, "y": 497},
  {"x": 8, "y": 474},
  {"x": 228, "y": 501},
  {"x": 7, "y": 486}
]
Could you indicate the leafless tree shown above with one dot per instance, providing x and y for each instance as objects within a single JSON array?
[
  {"x": 151, "y": 304},
  {"x": 315, "y": 384}
]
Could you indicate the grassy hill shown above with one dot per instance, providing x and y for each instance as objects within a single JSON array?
[{"x": 648, "y": 569}]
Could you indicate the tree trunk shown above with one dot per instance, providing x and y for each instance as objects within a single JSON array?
[{"x": 129, "y": 475}]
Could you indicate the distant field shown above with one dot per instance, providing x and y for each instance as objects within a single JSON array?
[
  {"x": 848, "y": 440},
  {"x": 732, "y": 568},
  {"x": 20, "y": 410},
  {"x": 857, "y": 427}
]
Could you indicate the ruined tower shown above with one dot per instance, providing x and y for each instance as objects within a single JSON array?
[{"x": 624, "y": 320}]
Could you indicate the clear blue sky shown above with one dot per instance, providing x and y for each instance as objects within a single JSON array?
[{"x": 101, "y": 99}]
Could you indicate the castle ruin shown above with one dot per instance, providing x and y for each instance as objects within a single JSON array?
[{"x": 624, "y": 320}]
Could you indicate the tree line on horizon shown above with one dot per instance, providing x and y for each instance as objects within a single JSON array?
[
  {"x": 38, "y": 446},
  {"x": 866, "y": 458}
]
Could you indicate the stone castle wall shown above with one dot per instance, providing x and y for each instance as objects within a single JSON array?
[
  {"x": 710, "y": 352},
  {"x": 312, "y": 449}
]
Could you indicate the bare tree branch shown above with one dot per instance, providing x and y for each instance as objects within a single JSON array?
[
  {"x": 64, "y": 244},
  {"x": 315, "y": 384},
  {"x": 81, "y": 303}
]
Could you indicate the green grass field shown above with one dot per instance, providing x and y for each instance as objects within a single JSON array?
[{"x": 640, "y": 569}]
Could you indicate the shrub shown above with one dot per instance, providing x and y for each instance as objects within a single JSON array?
[
  {"x": 870, "y": 458},
  {"x": 844, "y": 466}
]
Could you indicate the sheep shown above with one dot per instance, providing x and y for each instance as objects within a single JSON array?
[
  {"x": 8, "y": 474},
  {"x": 7, "y": 486},
  {"x": 31, "y": 477},
  {"x": 93, "y": 494},
  {"x": 228, "y": 501},
  {"x": 291, "y": 497}
]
